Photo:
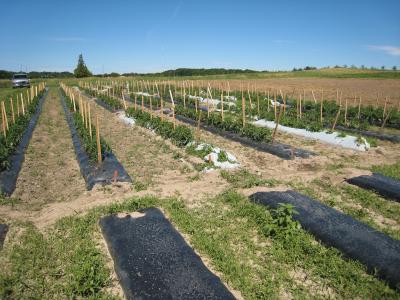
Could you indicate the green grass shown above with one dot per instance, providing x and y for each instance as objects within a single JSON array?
[
  {"x": 231, "y": 233},
  {"x": 388, "y": 170},
  {"x": 245, "y": 179},
  {"x": 361, "y": 204}
]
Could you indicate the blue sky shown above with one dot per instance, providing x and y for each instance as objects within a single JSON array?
[{"x": 149, "y": 36}]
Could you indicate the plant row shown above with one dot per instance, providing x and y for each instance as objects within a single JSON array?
[
  {"x": 229, "y": 123},
  {"x": 259, "y": 105},
  {"x": 10, "y": 141},
  {"x": 110, "y": 100},
  {"x": 180, "y": 135},
  {"x": 86, "y": 134}
]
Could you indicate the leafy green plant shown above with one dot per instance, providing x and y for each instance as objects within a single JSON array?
[
  {"x": 282, "y": 221},
  {"x": 88, "y": 141},
  {"x": 9, "y": 144},
  {"x": 111, "y": 101},
  {"x": 245, "y": 179},
  {"x": 222, "y": 156},
  {"x": 180, "y": 135}
]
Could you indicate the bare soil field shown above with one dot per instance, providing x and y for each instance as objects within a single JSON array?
[{"x": 369, "y": 89}]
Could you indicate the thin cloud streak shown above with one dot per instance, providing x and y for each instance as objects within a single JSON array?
[{"x": 391, "y": 50}]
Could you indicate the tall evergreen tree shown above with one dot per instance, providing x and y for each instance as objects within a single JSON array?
[{"x": 81, "y": 69}]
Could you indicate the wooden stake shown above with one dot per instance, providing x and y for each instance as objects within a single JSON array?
[
  {"x": 284, "y": 104},
  {"x": 173, "y": 107},
  {"x": 162, "y": 108},
  {"x": 384, "y": 108},
  {"x": 244, "y": 111},
  {"x": 123, "y": 99},
  {"x": 12, "y": 110},
  {"x": 99, "y": 158},
  {"x": 86, "y": 114},
  {"x": 336, "y": 119},
  {"x": 90, "y": 122},
  {"x": 345, "y": 113},
  {"x": 142, "y": 102},
  {"x": 5, "y": 115},
  {"x": 277, "y": 124},
  {"x": 359, "y": 109},
  {"x": 222, "y": 106},
  {"x": 385, "y": 120},
  {"x": 198, "y": 126},
  {"x": 195, "y": 101},
  {"x": 322, "y": 107},
  {"x": 315, "y": 100},
  {"x": 258, "y": 104},
  {"x": 275, "y": 105},
  {"x": 3, "y": 120},
  {"x": 18, "y": 112},
  {"x": 22, "y": 105},
  {"x": 135, "y": 102},
  {"x": 300, "y": 106}
]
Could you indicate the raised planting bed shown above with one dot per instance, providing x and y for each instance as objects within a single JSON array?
[
  {"x": 153, "y": 261},
  {"x": 356, "y": 240},
  {"x": 13, "y": 147},
  {"x": 281, "y": 150},
  {"x": 328, "y": 137},
  {"x": 108, "y": 102},
  {"x": 374, "y": 134},
  {"x": 383, "y": 185},
  {"x": 231, "y": 128},
  {"x": 3, "y": 233},
  {"x": 105, "y": 172},
  {"x": 261, "y": 106},
  {"x": 182, "y": 136}
]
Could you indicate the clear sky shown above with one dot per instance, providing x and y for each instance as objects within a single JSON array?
[{"x": 148, "y": 36}]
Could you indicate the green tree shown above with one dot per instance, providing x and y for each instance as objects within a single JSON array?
[
  {"x": 394, "y": 68},
  {"x": 81, "y": 69}
]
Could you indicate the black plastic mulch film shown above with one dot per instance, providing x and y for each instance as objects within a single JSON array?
[
  {"x": 153, "y": 261},
  {"x": 354, "y": 239},
  {"x": 8, "y": 178},
  {"x": 94, "y": 173},
  {"x": 385, "y": 186},
  {"x": 3, "y": 232},
  {"x": 281, "y": 150},
  {"x": 379, "y": 135}
]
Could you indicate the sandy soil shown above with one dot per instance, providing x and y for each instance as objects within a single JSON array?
[
  {"x": 368, "y": 89},
  {"x": 50, "y": 172}
]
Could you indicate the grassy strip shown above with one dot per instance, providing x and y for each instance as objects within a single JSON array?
[
  {"x": 14, "y": 135},
  {"x": 388, "y": 170},
  {"x": 180, "y": 135},
  {"x": 255, "y": 252},
  {"x": 111, "y": 101},
  {"x": 244, "y": 179},
  {"x": 89, "y": 143},
  {"x": 358, "y": 203}
]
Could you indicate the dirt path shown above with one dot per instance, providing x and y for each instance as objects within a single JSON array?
[
  {"x": 155, "y": 164},
  {"x": 50, "y": 172}
]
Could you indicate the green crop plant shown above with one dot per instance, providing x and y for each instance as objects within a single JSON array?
[
  {"x": 88, "y": 140},
  {"x": 16, "y": 130}
]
